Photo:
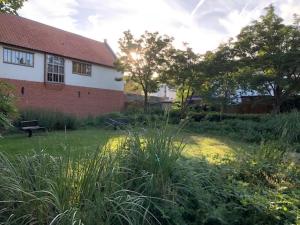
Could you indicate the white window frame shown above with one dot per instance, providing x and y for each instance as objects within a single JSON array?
[
  {"x": 15, "y": 55},
  {"x": 55, "y": 69}
]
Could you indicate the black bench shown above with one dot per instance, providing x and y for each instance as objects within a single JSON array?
[
  {"x": 116, "y": 123},
  {"x": 30, "y": 125}
]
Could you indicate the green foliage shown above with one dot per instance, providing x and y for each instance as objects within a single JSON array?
[
  {"x": 51, "y": 120},
  {"x": 8, "y": 110},
  {"x": 180, "y": 71},
  {"x": 127, "y": 185},
  {"x": 140, "y": 58},
  {"x": 11, "y": 6},
  {"x": 269, "y": 54},
  {"x": 221, "y": 69},
  {"x": 144, "y": 179},
  {"x": 251, "y": 128}
]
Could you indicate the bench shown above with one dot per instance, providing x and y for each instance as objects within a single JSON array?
[
  {"x": 30, "y": 125},
  {"x": 116, "y": 123}
]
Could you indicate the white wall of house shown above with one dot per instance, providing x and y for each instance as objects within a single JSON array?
[{"x": 102, "y": 77}]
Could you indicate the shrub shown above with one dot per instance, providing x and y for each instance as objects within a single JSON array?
[
  {"x": 283, "y": 127},
  {"x": 51, "y": 120}
]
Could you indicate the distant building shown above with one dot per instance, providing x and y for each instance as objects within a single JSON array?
[
  {"x": 166, "y": 93},
  {"x": 57, "y": 70}
]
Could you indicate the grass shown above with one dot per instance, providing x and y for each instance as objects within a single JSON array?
[
  {"x": 141, "y": 178},
  {"x": 215, "y": 149},
  {"x": 57, "y": 142}
]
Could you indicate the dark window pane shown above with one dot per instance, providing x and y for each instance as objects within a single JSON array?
[
  {"x": 89, "y": 69},
  {"x": 61, "y": 70},
  {"x": 55, "y": 77},
  {"x": 49, "y": 76}
]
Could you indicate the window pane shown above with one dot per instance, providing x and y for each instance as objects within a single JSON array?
[
  {"x": 13, "y": 57},
  {"x": 50, "y": 59},
  {"x": 49, "y": 76},
  {"x": 77, "y": 68},
  {"x": 31, "y": 59},
  {"x": 55, "y": 69},
  {"x": 50, "y": 68},
  {"x": 22, "y": 58},
  {"x": 89, "y": 69},
  {"x": 9, "y": 55},
  {"x": 61, "y": 70},
  {"x": 5, "y": 55},
  {"x": 83, "y": 69},
  {"x": 55, "y": 77},
  {"x": 61, "y": 78}
]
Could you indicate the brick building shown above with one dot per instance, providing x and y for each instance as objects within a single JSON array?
[{"x": 57, "y": 70}]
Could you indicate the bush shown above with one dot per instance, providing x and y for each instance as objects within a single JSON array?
[
  {"x": 283, "y": 127},
  {"x": 51, "y": 120},
  {"x": 215, "y": 116}
]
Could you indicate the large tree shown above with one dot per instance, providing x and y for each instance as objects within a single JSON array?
[
  {"x": 270, "y": 52},
  {"x": 141, "y": 58},
  {"x": 11, "y": 6},
  {"x": 221, "y": 69},
  {"x": 181, "y": 72}
]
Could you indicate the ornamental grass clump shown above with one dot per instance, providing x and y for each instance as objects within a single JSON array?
[{"x": 126, "y": 184}]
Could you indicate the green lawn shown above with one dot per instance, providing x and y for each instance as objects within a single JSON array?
[
  {"x": 57, "y": 142},
  {"x": 78, "y": 141}
]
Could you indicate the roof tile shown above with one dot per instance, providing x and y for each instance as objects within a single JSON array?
[{"x": 18, "y": 31}]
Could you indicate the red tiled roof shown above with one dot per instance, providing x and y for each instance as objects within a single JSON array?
[{"x": 18, "y": 31}]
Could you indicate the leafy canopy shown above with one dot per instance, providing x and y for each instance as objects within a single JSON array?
[
  {"x": 141, "y": 58},
  {"x": 270, "y": 52},
  {"x": 181, "y": 71},
  {"x": 11, "y": 6}
]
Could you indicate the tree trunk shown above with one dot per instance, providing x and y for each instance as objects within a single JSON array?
[
  {"x": 145, "y": 101},
  {"x": 186, "y": 103},
  {"x": 277, "y": 100}
]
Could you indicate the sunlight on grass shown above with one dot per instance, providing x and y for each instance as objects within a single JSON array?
[{"x": 212, "y": 149}]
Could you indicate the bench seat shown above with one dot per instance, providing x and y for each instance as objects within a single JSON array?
[
  {"x": 31, "y": 125},
  {"x": 32, "y": 128}
]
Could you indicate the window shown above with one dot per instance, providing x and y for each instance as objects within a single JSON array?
[
  {"x": 17, "y": 57},
  {"x": 82, "y": 68},
  {"x": 55, "y": 69}
]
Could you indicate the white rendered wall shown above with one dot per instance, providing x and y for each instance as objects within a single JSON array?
[
  {"x": 18, "y": 72},
  {"x": 102, "y": 77}
]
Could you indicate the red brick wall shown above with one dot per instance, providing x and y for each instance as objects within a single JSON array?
[{"x": 65, "y": 98}]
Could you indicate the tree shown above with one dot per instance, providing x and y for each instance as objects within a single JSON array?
[
  {"x": 8, "y": 110},
  {"x": 270, "y": 51},
  {"x": 11, "y": 6},
  {"x": 181, "y": 71},
  {"x": 131, "y": 86},
  {"x": 140, "y": 58},
  {"x": 221, "y": 70}
]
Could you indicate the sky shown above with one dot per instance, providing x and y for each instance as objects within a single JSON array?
[{"x": 204, "y": 24}]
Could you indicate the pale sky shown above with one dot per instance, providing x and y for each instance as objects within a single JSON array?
[{"x": 204, "y": 24}]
